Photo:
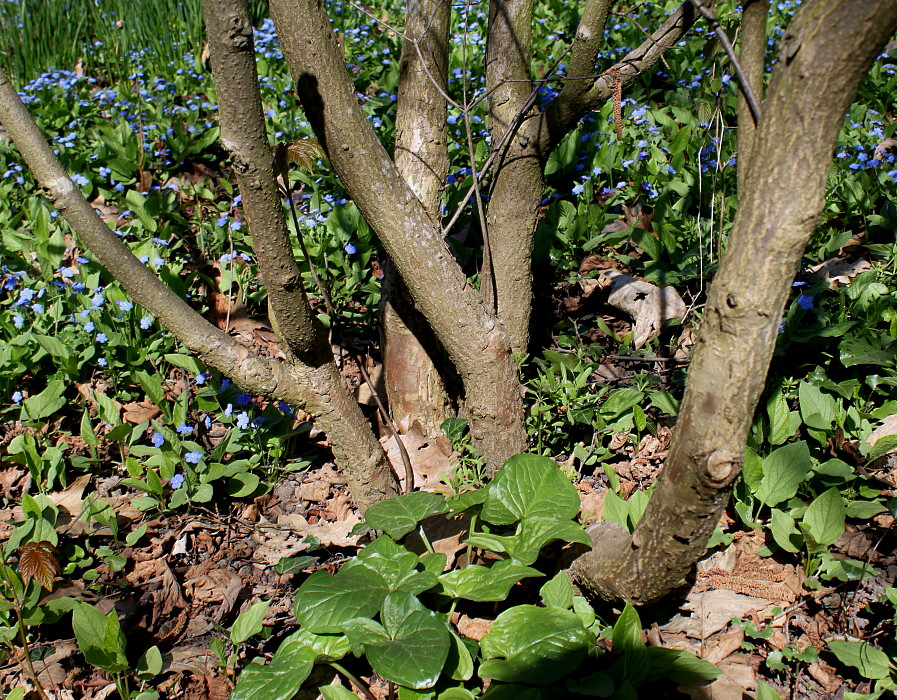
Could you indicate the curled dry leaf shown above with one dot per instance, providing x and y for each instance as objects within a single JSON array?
[
  {"x": 37, "y": 560},
  {"x": 840, "y": 270}
]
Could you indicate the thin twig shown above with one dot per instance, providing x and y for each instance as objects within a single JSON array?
[{"x": 743, "y": 82}]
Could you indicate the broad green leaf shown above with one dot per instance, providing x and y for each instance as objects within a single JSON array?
[
  {"x": 397, "y": 571},
  {"x": 243, "y": 484},
  {"x": 784, "y": 531},
  {"x": 679, "y": 666},
  {"x": 533, "y": 645},
  {"x": 152, "y": 387},
  {"x": 100, "y": 638},
  {"x": 293, "y": 565},
  {"x": 779, "y": 419},
  {"x": 46, "y": 402},
  {"x": 531, "y": 536},
  {"x": 52, "y": 345},
  {"x": 680, "y": 140},
  {"x": 456, "y": 694},
  {"x": 871, "y": 662},
  {"x": 336, "y": 692},
  {"x": 399, "y": 516},
  {"x": 459, "y": 663},
  {"x": 621, "y": 401},
  {"x": 783, "y": 471},
  {"x": 558, "y": 592},
  {"x": 149, "y": 665},
  {"x": 323, "y": 602},
  {"x": 249, "y": 623},
  {"x": 864, "y": 510},
  {"x": 529, "y": 486},
  {"x": 417, "y": 645},
  {"x": 186, "y": 362},
  {"x": 87, "y": 433},
  {"x": 627, "y": 634},
  {"x": 824, "y": 519},
  {"x": 813, "y": 401},
  {"x": 483, "y": 583},
  {"x": 664, "y": 401},
  {"x": 616, "y": 509},
  {"x": 106, "y": 408},
  {"x": 859, "y": 352},
  {"x": 765, "y": 692},
  {"x": 278, "y": 680}
]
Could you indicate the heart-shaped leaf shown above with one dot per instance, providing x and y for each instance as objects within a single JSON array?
[
  {"x": 483, "y": 583},
  {"x": 399, "y": 516},
  {"x": 529, "y": 486}
]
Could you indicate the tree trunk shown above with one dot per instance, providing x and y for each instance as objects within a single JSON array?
[
  {"x": 752, "y": 56},
  {"x": 826, "y": 52},
  {"x": 411, "y": 354}
]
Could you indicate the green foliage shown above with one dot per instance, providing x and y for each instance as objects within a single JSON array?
[{"x": 391, "y": 605}]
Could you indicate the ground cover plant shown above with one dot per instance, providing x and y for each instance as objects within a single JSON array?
[{"x": 118, "y": 442}]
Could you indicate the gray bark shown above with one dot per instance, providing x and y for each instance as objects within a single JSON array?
[
  {"x": 826, "y": 52},
  {"x": 469, "y": 331},
  {"x": 414, "y": 382}
]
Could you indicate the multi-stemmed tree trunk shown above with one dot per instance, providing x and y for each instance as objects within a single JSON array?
[{"x": 433, "y": 313}]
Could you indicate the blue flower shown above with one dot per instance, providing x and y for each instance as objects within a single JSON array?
[
  {"x": 243, "y": 421},
  {"x": 146, "y": 322},
  {"x": 577, "y": 188},
  {"x": 18, "y": 321},
  {"x": 125, "y": 305},
  {"x": 17, "y": 397},
  {"x": 225, "y": 382},
  {"x": 102, "y": 338},
  {"x": 200, "y": 378},
  {"x": 244, "y": 399},
  {"x": 228, "y": 410},
  {"x": 350, "y": 249},
  {"x": 158, "y": 439},
  {"x": 193, "y": 457},
  {"x": 102, "y": 362},
  {"x": 176, "y": 481},
  {"x": 184, "y": 429},
  {"x": 782, "y": 327},
  {"x": 805, "y": 302}
]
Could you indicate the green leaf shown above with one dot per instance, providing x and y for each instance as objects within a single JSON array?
[
  {"x": 864, "y": 510},
  {"x": 149, "y": 665},
  {"x": 664, "y": 401},
  {"x": 680, "y": 140},
  {"x": 87, "y": 433},
  {"x": 336, "y": 692},
  {"x": 45, "y": 403},
  {"x": 293, "y": 565},
  {"x": 535, "y": 645},
  {"x": 678, "y": 665},
  {"x": 185, "y": 362},
  {"x": 417, "y": 643},
  {"x": 399, "y": 516},
  {"x": 783, "y": 471},
  {"x": 783, "y": 530},
  {"x": 482, "y": 583},
  {"x": 100, "y": 638},
  {"x": 621, "y": 401},
  {"x": 824, "y": 519},
  {"x": 459, "y": 663},
  {"x": 278, "y": 680},
  {"x": 627, "y": 634},
  {"x": 871, "y": 662},
  {"x": 558, "y": 592},
  {"x": 249, "y": 623},
  {"x": 152, "y": 387},
  {"x": 765, "y": 692},
  {"x": 529, "y": 486},
  {"x": 531, "y": 536},
  {"x": 813, "y": 402},
  {"x": 323, "y": 602},
  {"x": 779, "y": 419},
  {"x": 242, "y": 485}
]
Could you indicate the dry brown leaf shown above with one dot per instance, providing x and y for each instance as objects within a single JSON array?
[
  {"x": 109, "y": 212},
  {"x": 37, "y": 560},
  {"x": 430, "y": 459},
  {"x": 840, "y": 270},
  {"x": 736, "y": 682},
  {"x": 713, "y": 610},
  {"x": 724, "y": 645},
  {"x": 888, "y": 426},
  {"x": 472, "y": 627},
  {"x": 138, "y": 412},
  {"x": 288, "y": 538}
]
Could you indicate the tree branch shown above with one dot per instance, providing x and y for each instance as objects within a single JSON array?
[
  {"x": 825, "y": 54},
  {"x": 470, "y": 333},
  {"x": 564, "y": 112},
  {"x": 752, "y": 54},
  {"x": 243, "y": 135}
]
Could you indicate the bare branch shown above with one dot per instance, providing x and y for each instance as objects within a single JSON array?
[
  {"x": 752, "y": 54},
  {"x": 563, "y": 114},
  {"x": 743, "y": 82},
  {"x": 243, "y": 136}
]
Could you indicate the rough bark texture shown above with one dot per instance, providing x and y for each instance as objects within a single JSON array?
[
  {"x": 295, "y": 384},
  {"x": 752, "y": 56},
  {"x": 414, "y": 385},
  {"x": 301, "y": 337},
  {"x": 464, "y": 325},
  {"x": 517, "y": 186},
  {"x": 824, "y": 55}
]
